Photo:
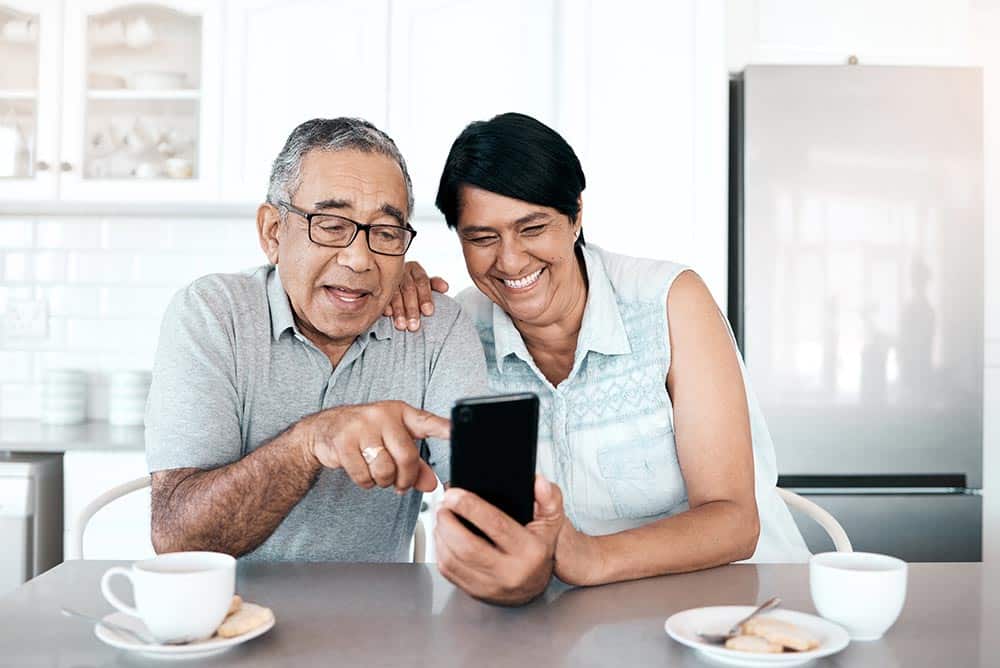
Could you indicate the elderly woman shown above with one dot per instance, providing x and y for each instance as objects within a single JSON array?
[{"x": 647, "y": 426}]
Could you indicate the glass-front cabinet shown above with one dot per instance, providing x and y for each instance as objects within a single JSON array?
[
  {"x": 29, "y": 89},
  {"x": 140, "y": 119},
  {"x": 133, "y": 116}
]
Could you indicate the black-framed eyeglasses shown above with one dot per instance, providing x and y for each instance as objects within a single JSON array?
[{"x": 333, "y": 231}]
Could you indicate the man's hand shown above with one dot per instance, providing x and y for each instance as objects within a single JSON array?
[
  {"x": 518, "y": 566},
  {"x": 374, "y": 443},
  {"x": 413, "y": 297}
]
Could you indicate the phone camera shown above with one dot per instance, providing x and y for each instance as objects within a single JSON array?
[{"x": 464, "y": 414}]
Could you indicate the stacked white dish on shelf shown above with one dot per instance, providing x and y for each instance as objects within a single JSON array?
[
  {"x": 127, "y": 398},
  {"x": 64, "y": 396}
]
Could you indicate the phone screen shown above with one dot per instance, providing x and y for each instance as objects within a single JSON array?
[{"x": 493, "y": 443}]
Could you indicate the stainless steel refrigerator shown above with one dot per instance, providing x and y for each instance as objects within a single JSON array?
[{"x": 856, "y": 292}]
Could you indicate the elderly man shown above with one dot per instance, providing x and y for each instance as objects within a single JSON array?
[{"x": 287, "y": 419}]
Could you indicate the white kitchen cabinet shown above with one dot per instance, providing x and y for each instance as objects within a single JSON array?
[
  {"x": 458, "y": 62},
  {"x": 121, "y": 530},
  {"x": 30, "y": 37},
  {"x": 141, "y": 94},
  {"x": 887, "y": 32},
  {"x": 287, "y": 62},
  {"x": 637, "y": 88},
  {"x": 133, "y": 114}
]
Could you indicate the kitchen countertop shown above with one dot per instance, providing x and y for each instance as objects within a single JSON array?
[
  {"x": 409, "y": 615},
  {"x": 34, "y": 436}
]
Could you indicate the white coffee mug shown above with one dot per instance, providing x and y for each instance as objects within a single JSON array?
[
  {"x": 179, "y": 596},
  {"x": 861, "y": 591}
]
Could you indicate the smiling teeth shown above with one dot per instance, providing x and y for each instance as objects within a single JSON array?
[{"x": 523, "y": 282}]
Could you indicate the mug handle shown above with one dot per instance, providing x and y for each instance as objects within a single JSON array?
[{"x": 109, "y": 595}]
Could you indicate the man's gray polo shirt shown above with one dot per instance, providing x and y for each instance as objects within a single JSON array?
[{"x": 233, "y": 371}]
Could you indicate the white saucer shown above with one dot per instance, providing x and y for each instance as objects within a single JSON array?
[
  {"x": 685, "y": 626},
  {"x": 195, "y": 650}
]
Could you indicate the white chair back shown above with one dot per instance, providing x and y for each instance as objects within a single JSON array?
[
  {"x": 81, "y": 521},
  {"x": 841, "y": 543},
  {"x": 118, "y": 491}
]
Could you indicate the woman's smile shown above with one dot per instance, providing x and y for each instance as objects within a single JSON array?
[{"x": 523, "y": 283}]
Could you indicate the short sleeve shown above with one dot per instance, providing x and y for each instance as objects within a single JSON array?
[
  {"x": 193, "y": 412},
  {"x": 459, "y": 370}
]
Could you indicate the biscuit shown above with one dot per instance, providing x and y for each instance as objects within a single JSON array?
[
  {"x": 753, "y": 644},
  {"x": 780, "y": 633},
  {"x": 244, "y": 620},
  {"x": 234, "y": 605}
]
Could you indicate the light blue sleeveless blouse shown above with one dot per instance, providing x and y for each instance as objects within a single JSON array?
[{"x": 606, "y": 433}]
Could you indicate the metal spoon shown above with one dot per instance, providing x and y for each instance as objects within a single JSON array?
[
  {"x": 114, "y": 627},
  {"x": 734, "y": 630}
]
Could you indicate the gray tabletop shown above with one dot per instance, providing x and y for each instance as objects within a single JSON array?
[{"x": 408, "y": 615}]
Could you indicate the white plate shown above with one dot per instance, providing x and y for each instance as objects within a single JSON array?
[
  {"x": 685, "y": 626},
  {"x": 195, "y": 650}
]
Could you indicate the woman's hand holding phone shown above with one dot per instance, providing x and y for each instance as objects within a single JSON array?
[{"x": 517, "y": 566}]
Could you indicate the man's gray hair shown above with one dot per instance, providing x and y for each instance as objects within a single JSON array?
[{"x": 330, "y": 134}]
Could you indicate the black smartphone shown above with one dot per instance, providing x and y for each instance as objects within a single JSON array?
[{"x": 493, "y": 444}]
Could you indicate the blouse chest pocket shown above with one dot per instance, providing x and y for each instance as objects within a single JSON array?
[{"x": 643, "y": 477}]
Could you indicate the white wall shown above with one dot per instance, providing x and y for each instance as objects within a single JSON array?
[
  {"x": 901, "y": 32},
  {"x": 638, "y": 88},
  {"x": 986, "y": 35}
]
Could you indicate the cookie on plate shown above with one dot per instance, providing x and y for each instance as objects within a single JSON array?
[
  {"x": 753, "y": 644},
  {"x": 780, "y": 633},
  {"x": 244, "y": 620}
]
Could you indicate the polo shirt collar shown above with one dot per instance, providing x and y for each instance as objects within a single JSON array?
[{"x": 282, "y": 318}]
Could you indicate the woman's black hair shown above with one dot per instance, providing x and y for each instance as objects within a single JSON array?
[{"x": 516, "y": 156}]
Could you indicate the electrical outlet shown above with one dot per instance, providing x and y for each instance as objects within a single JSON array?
[{"x": 26, "y": 319}]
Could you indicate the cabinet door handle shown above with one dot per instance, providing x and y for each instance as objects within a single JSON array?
[
  {"x": 42, "y": 166},
  {"x": 65, "y": 166}
]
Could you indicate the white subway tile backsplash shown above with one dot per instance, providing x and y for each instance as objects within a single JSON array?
[
  {"x": 86, "y": 361},
  {"x": 243, "y": 232},
  {"x": 107, "y": 282},
  {"x": 20, "y": 400},
  {"x": 17, "y": 267},
  {"x": 8, "y": 292},
  {"x": 72, "y": 300},
  {"x": 203, "y": 236},
  {"x": 246, "y": 256},
  {"x": 135, "y": 301},
  {"x": 122, "y": 360},
  {"x": 137, "y": 234},
  {"x": 54, "y": 339},
  {"x": 69, "y": 233},
  {"x": 50, "y": 267},
  {"x": 162, "y": 269},
  {"x": 99, "y": 267},
  {"x": 177, "y": 269},
  {"x": 93, "y": 334},
  {"x": 16, "y": 366},
  {"x": 16, "y": 233}
]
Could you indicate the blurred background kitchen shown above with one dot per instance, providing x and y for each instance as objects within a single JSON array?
[{"x": 829, "y": 168}]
